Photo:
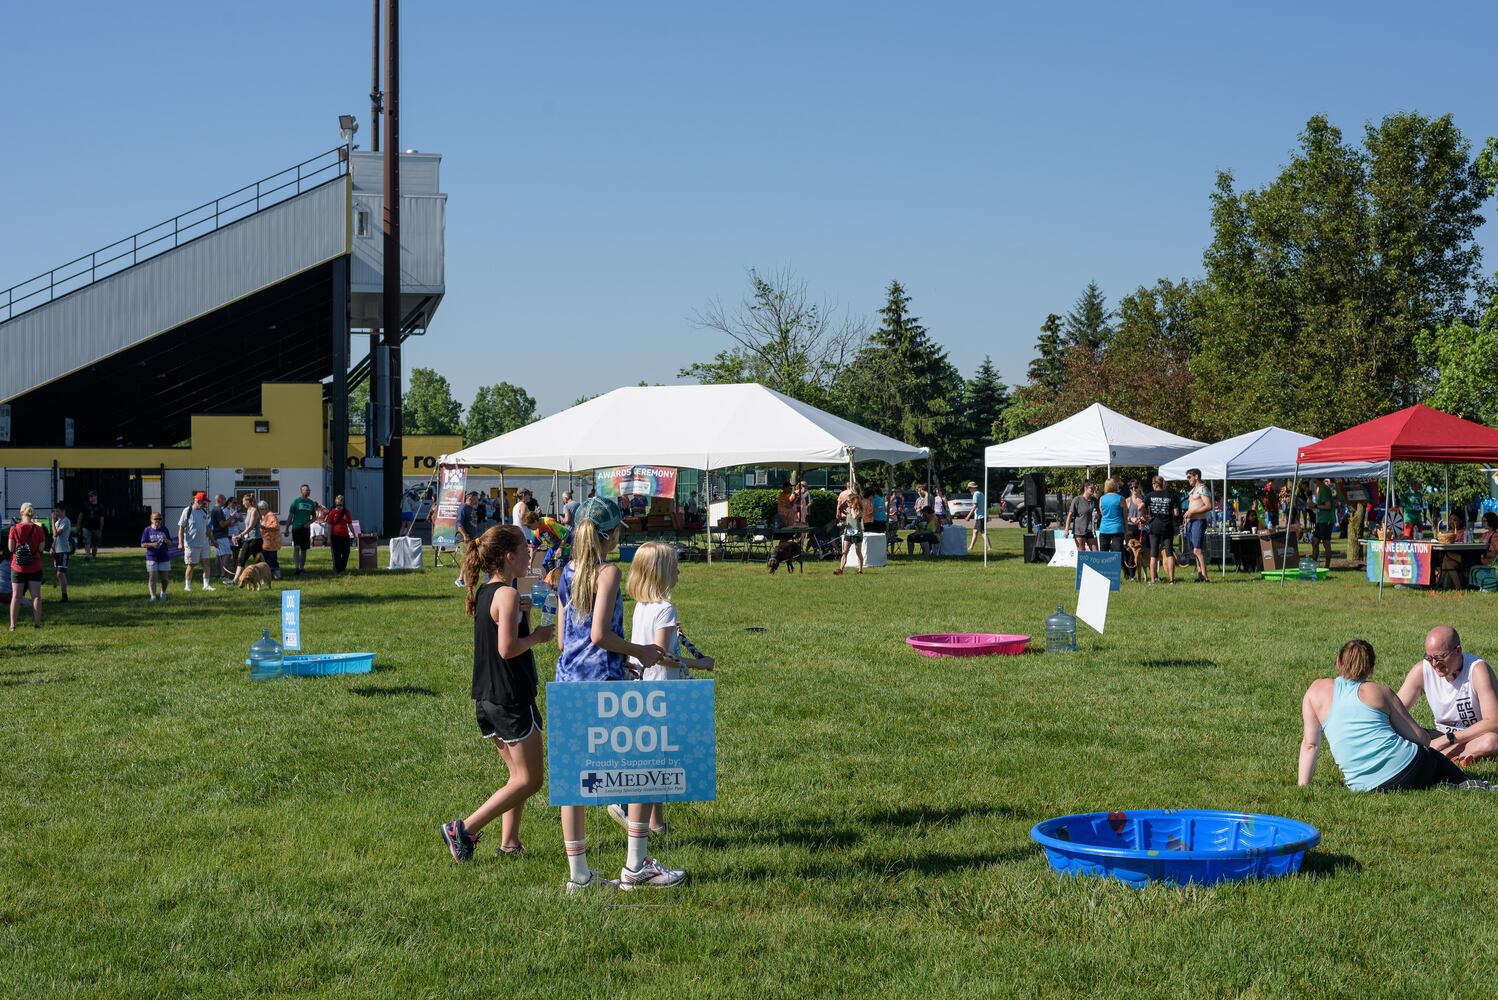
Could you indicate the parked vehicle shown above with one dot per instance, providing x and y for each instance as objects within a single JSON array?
[
  {"x": 961, "y": 506},
  {"x": 1012, "y": 501}
]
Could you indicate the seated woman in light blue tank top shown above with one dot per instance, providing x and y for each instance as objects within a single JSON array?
[{"x": 1373, "y": 738}]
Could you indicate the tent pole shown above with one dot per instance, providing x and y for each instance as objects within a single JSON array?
[
  {"x": 504, "y": 508},
  {"x": 984, "y": 514},
  {"x": 707, "y": 507},
  {"x": 1225, "y": 535},
  {"x": 1383, "y": 555},
  {"x": 1289, "y": 519},
  {"x": 1446, "y": 470}
]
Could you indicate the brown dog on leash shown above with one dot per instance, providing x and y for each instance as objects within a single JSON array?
[
  {"x": 1135, "y": 561},
  {"x": 787, "y": 554},
  {"x": 256, "y": 576}
]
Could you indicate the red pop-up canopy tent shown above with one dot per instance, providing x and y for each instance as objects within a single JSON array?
[{"x": 1414, "y": 434}]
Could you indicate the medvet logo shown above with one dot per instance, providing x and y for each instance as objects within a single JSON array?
[{"x": 607, "y": 784}]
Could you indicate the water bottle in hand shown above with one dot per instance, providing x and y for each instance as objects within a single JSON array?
[{"x": 549, "y": 608}]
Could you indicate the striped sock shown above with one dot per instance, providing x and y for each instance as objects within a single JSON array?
[
  {"x": 639, "y": 842},
  {"x": 577, "y": 860}
]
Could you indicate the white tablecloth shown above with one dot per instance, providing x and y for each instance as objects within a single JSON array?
[
  {"x": 405, "y": 553},
  {"x": 875, "y": 553},
  {"x": 953, "y": 540}
]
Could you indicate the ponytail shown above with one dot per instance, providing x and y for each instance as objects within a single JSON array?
[
  {"x": 486, "y": 554},
  {"x": 589, "y": 546}
]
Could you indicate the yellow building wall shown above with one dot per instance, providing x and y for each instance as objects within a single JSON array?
[{"x": 294, "y": 411}]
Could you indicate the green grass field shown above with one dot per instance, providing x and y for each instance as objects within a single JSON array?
[{"x": 167, "y": 828}]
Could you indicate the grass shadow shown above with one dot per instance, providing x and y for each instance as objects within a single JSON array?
[
  {"x": 850, "y": 829},
  {"x": 1325, "y": 864},
  {"x": 935, "y": 863},
  {"x": 372, "y": 691},
  {"x": 1165, "y": 662},
  {"x": 13, "y": 680}
]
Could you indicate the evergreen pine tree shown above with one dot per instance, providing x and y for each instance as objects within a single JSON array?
[
  {"x": 1088, "y": 325},
  {"x": 1047, "y": 367}
]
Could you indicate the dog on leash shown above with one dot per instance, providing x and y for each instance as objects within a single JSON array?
[
  {"x": 787, "y": 554},
  {"x": 255, "y": 576},
  {"x": 1133, "y": 561}
]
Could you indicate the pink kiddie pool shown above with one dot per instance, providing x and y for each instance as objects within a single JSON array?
[{"x": 969, "y": 644}]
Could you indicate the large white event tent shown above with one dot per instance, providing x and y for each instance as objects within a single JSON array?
[
  {"x": 1095, "y": 437},
  {"x": 690, "y": 427},
  {"x": 1267, "y": 453}
]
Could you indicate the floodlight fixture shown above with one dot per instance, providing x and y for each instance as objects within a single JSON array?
[{"x": 347, "y": 126}]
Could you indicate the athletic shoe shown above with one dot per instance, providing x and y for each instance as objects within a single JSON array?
[
  {"x": 151, "y": 598},
  {"x": 595, "y": 883},
  {"x": 187, "y": 588},
  {"x": 458, "y": 582},
  {"x": 651, "y": 873},
  {"x": 1476, "y": 785},
  {"x": 209, "y": 586},
  {"x": 459, "y": 841},
  {"x": 619, "y": 815},
  {"x": 660, "y": 831},
  {"x": 164, "y": 595},
  {"x": 510, "y": 852}
]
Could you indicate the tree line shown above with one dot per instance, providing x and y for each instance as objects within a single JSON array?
[{"x": 1347, "y": 287}]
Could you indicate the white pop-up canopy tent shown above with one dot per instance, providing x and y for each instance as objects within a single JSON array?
[
  {"x": 687, "y": 426},
  {"x": 1094, "y": 437},
  {"x": 1097, "y": 437},
  {"x": 690, "y": 427},
  {"x": 1267, "y": 453}
]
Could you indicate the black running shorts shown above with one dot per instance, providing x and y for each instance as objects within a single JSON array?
[
  {"x": 1161, "y": 545},
  {"x": 507, "y": 723},
  {"x": 302, "y": 537}
]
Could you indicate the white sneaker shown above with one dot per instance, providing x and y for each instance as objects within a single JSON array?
[
  {"x": 595, "y": 883},
  {"x": 209, "y": 586},
  {"x": 151, "y": 598},
  {"x": 163, "y": 595},
  {"x": 187, "y": 588},
  {"x": 651, "y": 873},
  {"x": 619, "y": 815},
  {"x": 459, "y": 583}
]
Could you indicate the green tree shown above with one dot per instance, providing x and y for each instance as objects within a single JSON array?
[
  {"x": 1465, "y": 360},
  {"x": 782, "y": 339},
  {"x": 1318, "y": 283},
  {"x": 984, "y": 399},
  {"x": 1088, "y": 325},
  {"x": 1050, "y": 356},
  {"x": 901, "y": 383},
  {"x": 358, "y": 402},
  {"x": 428, "y": 406},
  {"x": 498, "y": 409}
]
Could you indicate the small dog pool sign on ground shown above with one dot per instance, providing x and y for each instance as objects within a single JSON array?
[
  {"x": 291, "y": 619},
  {"x": 652, "y": 741}
]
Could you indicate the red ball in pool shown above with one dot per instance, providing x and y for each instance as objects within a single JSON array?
[{"x": 968, "y": 644}]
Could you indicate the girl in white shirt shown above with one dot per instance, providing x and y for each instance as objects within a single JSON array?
[{"x": 652, "y": 576}]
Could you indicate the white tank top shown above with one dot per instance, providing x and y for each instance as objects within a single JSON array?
[{"x": 1452, "y": 702}]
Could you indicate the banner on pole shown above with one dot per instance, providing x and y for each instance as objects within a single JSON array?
[
  {"x": 635, "y": 480},
  {"x": 1107, "y": 564},
  {"x": 647, "y": 741},
  {"x": 1399, "y": 562},
  {"x": 291, "y": 620},
  {"x": 453, "y": 484}
]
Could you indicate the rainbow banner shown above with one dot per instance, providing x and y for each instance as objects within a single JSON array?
[
  {"x": 454, "y": 480},
  {"x": 1399, "y": 562},
  {"x": 635, "y": 480}
]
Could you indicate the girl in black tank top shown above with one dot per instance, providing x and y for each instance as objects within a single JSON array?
[{"x": 504, "y": 686}]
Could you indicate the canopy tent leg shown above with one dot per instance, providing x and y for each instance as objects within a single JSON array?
[
  {"x": 1446, "y": 470},
  {"x": 1226, "y": 537},
  {"x": 985, "y": 514},
  {"x": 707, "y": 506},
  {"x": 504, "y": 508},
  {"x": 1289, "y": 520},
  {"x": 1383, "y": 556}
]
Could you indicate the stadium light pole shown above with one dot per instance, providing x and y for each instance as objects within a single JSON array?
[
  {"x": 375, "y": 97},
  {"x": 393, "y": 460}
]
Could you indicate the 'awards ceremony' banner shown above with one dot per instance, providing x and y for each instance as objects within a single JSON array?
[
  {"x": 635, "y": 480},
  {"x": 646, "y": 741},
  {"x": 453, "y": 483}
]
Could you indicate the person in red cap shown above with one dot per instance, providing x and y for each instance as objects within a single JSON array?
[{"x": 195, "y": 538}]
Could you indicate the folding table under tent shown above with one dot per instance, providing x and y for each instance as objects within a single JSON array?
[
  {"x": 703, "y": 427},
  {"x": 1414, "y": 434},
  {"x": 1096, "y": 436},
  {"x": 1267, "y": 453}
]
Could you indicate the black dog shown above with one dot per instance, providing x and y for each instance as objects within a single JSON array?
[{"x": 788, "y": 553}]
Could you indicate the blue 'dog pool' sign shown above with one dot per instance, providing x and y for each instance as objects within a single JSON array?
[{"x": 645, "y": 741}]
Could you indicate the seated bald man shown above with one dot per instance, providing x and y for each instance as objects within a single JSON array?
[{"x": 1460, "y": 689}]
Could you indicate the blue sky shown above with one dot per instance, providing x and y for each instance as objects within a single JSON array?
[{"x": 612, "y": 167}]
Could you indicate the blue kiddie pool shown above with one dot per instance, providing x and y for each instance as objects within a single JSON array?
[{"x": 1178, "y": 846}]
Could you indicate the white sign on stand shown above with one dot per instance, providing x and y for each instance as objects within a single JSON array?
[
  {"x": 1092, "y": 599},
  {"x": 1066, "y": 551}
]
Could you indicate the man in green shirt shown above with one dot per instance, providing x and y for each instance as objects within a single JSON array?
[
  {"x": 1412, "y": 509},
  {"x": 303, "y": 512},
  {"x": 1326, "y": 520}
]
